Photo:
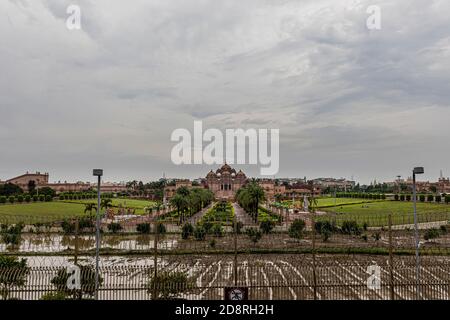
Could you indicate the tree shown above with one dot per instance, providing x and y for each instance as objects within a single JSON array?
[
  {"x": 47, "y": 191},
  {"x": 249, "y": 197},
  {"x": 13, "y": 273},
  {"x": 10, "y": 189},
  {"x": 296, "y": 228},
  {"x": 11, "y": 234},
  {"x": 88, "y": 207},
  {"x": 266, "y": 226},
  {"x": 31, "y": 186},
  {"x": 181, "y": 203},
  {"x": 105, "y": 203}
]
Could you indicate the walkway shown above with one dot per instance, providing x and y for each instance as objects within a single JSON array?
[{"x": 242, "y": 216}]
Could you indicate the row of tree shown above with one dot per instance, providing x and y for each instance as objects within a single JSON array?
[
  {"x": 423, "y": 197},
  {"x": 189, "y": 201},
  {"x": 249, "y": 198},
  {"x": 361, "y": 195}
]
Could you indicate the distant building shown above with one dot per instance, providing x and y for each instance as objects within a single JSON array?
[
  {"x": 340, "y": 184},
  {"x": 41, "y": 180}
]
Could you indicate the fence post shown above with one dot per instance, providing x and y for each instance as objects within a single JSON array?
[
  {"x": 313, "y": 226},
  {"x": 235, "y": 269},
  {"x": 155, "y": 261},
  {"x": 77, "y": 227},
  {"x": 391, "y": 258}
]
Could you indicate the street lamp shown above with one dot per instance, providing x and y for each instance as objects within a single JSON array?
[
  {"x": 416, "y": 170},
  {"x": 98, "y": 173}
]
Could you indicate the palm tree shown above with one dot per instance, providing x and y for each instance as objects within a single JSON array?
[
  {"x": 249, "y": 197},
  {"x": 106, "y": 203},
  {"x": 89, "y": 207}
]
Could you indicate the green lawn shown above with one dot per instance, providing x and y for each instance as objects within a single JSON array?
[
  {"x": 217, "y": 214},
  {"x": 376, "y": 213},
  {"x": 39, "y": 212},
  {"x": 139, "y": 205},
  {"x": 330, "y": 202}
]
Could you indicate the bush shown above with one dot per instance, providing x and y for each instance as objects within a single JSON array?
[
  {"x": 35, "y": 198},
  {"x": 438, "y": 199},
  {"x": 443, "y": 229},
  {"x": 422, "y": 198},
  {"x": 27, "y": 198},
  {"x": 266, "y": 226},
  {"x": 169, "y": 285},
  {"x": 296, "y": 228},
  {"x": 217, "y": 230},
  {"x": 143, "y": 228},
  {"x": 396, "y": 197},
  {"x": 254, "y": 234},
  {"x": 87, "y": 277},
  {"x": 48, "y": 198},
  {"x": 408, "y": 197},
  {"x": 402, "y": 197},
  {"x": 364, "y": 237},
  {"x": 161, "y": 228},
  {"x": 207, "y": 225},
  {"x": 212, "y": 243},
  {"x": 447, "y": 199},
  {"x": 20, "y": 199},
  {"x": 41, "y": 197},
  {"x": 68, "y": 227},
  {"x": 430, "y": 198},
  {"x": 377, "y": 236},
  {"x": 11, "y": 199},
  {"x": 114, "y": 227},
  {"x": 11, "y": 234},
  {"x": 3, "y": 199},
  {"x": 350, "y": 228},
  {"x": 199, "y": 233},
  {"x": 187, "y": 231},
  {"x": 431, "y": 234}
]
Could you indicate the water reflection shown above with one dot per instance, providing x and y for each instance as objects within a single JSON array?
[{"x": 57, "y": 242}]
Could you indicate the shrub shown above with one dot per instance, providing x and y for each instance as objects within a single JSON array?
[
  {"x": 68, "y": 227},
  {"x": 212, "y": 243},
  {"x": 254, "y": 234},
  {"x": 168, "y": 285},
  {"x": 447, "y": 199},
  {"x": 402, "y": 197},
  {"x": 365, "y": 226},
  {"x": 161, "y": 228},
  {"x": 114, "y": 227},
  {"x": 11, "y": 199},
  {"x": 217, "y": 230},
  {"x": 422, "y": 198},
  {"x": 431, "y": 234},
  {"x": 396, "y": 197},
  {"x": 27, "y": 198},
  {"x": 443, "y": 229},
  {"x": 351, "y": 228},
  {"x": 12, "y": 234},
  {"x": 187, "y": 231},
  {"x": 364, "y": 237},
  {"x": 266, "y": 226},
  {"x": 408, "y": 197},
  {"x": 199, "y": 233},
  {"x": 2, "y": 199},
  {"x": 20, "y": 199},
  {"x": 207, "y": 225},
  {"x": 438, "y": 199},
  {"x": 296, "y": 228},
  {"x": 41, "y": 197},
  {"x": 430, "y": 198},
  {"x": 143, "y": 228},
  {"x": 377, "y": 236},
  {"x": 35, "y": 198},
  {"x": 48, "y": 198}
]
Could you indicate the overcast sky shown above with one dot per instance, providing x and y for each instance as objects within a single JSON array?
[{"x": 348, "y": 101}]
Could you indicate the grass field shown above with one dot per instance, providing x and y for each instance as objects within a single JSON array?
[
  {"x": 139, "y": 205},
  {"x": 331, "y": 202},
  {"x": 376, "y": 213},
  {"x": 39, "y": 212}
]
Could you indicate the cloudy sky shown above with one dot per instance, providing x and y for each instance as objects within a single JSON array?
[{"x": 348, "y": 101}]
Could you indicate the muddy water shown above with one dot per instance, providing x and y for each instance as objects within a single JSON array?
[{"x": 57, "y": 243}]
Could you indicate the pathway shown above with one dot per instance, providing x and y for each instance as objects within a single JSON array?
[{"x": 242, "y": 216}]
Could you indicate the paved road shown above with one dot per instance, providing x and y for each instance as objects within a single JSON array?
[
  {"x": 196, "y": 217},
  {"x": 242, "y": 216}
]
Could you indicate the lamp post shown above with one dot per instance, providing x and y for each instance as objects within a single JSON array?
[
  {"x": 416, "y": 170},
  {"x": 98, "y": 173}
]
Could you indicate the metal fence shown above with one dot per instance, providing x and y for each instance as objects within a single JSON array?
[{"x": 158, "y": 257}]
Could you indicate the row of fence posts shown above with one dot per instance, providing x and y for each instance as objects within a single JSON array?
[{"x": 235, "y": 262}]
